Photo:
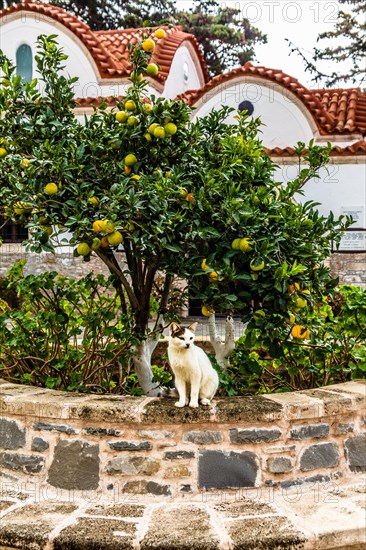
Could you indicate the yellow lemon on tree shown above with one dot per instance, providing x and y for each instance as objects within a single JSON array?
[
  {"x": 148, "y": 45},
  {"x": 159, "y": 132},
  {"x": 95, "y": 244},
  {"x": 257, "y": 264},
  {"x": 300, "y": 303},
  {"x": 147, "y": 137},
  {"x": 204, "y": 265},
  {"x": 3, "y": 152},
  {"x": 127, "y": 170},
  {"x": 98, "y": 226},
  {"x": 152, "y": 127},
  {"x": 259, "y": 314},
  {"x": 213, "y": 276},
  {"x": 130, "y": 160},
  {"x": 190, "y": 198},
  {"x": 246, "y": 246},
  {"x": 25, "y": 164},
  {"x": 115, "y": 238},
  {"x": 294, "y": 288},
  {"x": 132, "y": 121},
  {"x": 121, "y": 116},
  {"x": 152, "y": 69},
  {"x": 207, "y": 311},
  {"x": 93, "y": 200},
  {"x": 51, "y": 189},
  {"x": 109, "y": 226},
  {"x": 136, "y": 76},
  {"x": 291, "y": 318},
  {"x": 135, "y": 177},
  {"x": 170, "y": 129},
  {"x": 298, "y": 331},
  {"x": 130, "y": 226},
  {"x": 83, "y": 249},
  {"x": 160, "y": 33},
  {"x": 22, "y": 208},
  {"x": 235, "y": 245},
  {"x": 104, "y": 242},
  {"x": 130, "y": 105},
  {"x": 147, "y": 106}
]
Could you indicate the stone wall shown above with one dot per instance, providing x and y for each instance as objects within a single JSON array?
[
  {"x": 117, "y": 446},
  {"x": 350, "y": 268}
]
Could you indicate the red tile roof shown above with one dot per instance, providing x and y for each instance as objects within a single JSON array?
[
  {"x": 334, "y": 111},
  {"x": 356, "y": 149},
  {"x": 109, "y": 48}
]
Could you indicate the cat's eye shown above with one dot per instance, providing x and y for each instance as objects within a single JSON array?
[
  {"x": 181, "y": 337},
  {"x": 191, "y": 338}
]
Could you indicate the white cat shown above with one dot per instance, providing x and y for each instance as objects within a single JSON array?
[{"x": 195, "y": 377}]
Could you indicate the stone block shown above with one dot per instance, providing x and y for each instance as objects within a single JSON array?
[
  {"x": 39, "y": 444},
  {"x": 156, "y": 434},
  {"x": 96, "y": 533},
  {"x": 12, "y": 436},
  {"x": 254, "y": 435},
  {"x": 356, "y": 453},
  {"x": 136, "y": 465},
  {"x": 203, "y": 437},
  {"x": 43, "y": 426},
  {"x": 130, "y": 445},
  {"x": 178, "y": 455},
  {"x": 309, "y": 431},
  {"x": 185, "y": 488},
  {"x": 265, "y": 533},
  {"x": 31, "y": 464},
  {"x": 102, "y": 431},
  {"x": 344, "y": 428},
  {"x": 139, "y": 487},
  {"x": 184, "y": 527},
  {"x": 75, "y": 465},
  {"x": 224, "y": 469},
  {"x": 300, "y": 481},
  {"x": 177, "y": 472},
  {"x": 248, "y": 409},
  {"x": 279, "y": 464},
  {"x": 321, "y": 455}
]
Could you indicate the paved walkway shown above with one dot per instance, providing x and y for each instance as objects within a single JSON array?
[{"x": 318, "y": 516}]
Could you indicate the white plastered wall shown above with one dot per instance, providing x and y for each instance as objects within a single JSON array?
[
  {"x": 285, "y": 119},
  {"x": 185, "y": 61}
]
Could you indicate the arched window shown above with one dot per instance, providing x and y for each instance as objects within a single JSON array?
[{"x": 24, "y": 62}]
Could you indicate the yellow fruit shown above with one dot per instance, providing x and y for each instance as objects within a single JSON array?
[
  {"x": 293, "y": 288},
  {"x": 147, "y": 137},
  {"x": 213, "y": 276},
  {"x": 130, "y": 105},
  {"x": 291, "y": 318},
  {"x": 98, "y": 226},
  {"x": 22, "y": 208},
  {"x": 95, "y": 244},
  {"x": 25, "y": 164},
  {"x": 259, "y": 314},
  {"x": 168, "y": 174},
  {"x": 51, "y": 189},
  {"x": 132, "y": 121},
  {"x": 121, "y": 116},
  {"x": 204, "y": 265},
  {"x": 148, "y": 45},
  {"x": 190, "y": 198},
  {"x": 135, "y": 77},
  {"x": 298, "y": 331},
  {"x": 130, "y": 160},
  {"x": 127, "y": 170},
  {"x": 109, "y": 226},
  {"x": 183, "y": 193},
  {"x": 83, "y": 249},
  {"x": 152, "y": 127},
  {"x": 160, "y": 33},
  {"x": 48, "y": 229},
  {"x": 257, "y": 264},
  {"x": 246, "y": 246},
  {"x": 306, "y": 291},
  {"x": 159, "y": 132},
  {"x": 104, "y": 242},
  {"x": 152, "y": 69},
  {"x": 147, "y": 106},
  {"x": 170, "y": 129},
  {"x": 115, "y": 238},
  {"x": 301, "y": 303},
  {"x": 130, "y": 226},
  {"x": 3, "y": 152},
  {"x": 135, "y": 177},
  {"x": 235, "y": 245},
  {"x": 207, "y": 311},
  {"x": 93, "y": 200}
]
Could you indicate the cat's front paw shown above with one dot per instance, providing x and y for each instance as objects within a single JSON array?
[
  {"x": 179, "y": 404},
  {"x": 193, "y": 405},
  {"x": 205, "y": 401}
]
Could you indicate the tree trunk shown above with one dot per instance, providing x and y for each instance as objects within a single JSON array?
[
  {"x": 141, "y": 361},
  {"x": 222, "y": 348}
]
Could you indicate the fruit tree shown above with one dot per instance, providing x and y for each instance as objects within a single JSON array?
[{"x": 155, "y": 196}]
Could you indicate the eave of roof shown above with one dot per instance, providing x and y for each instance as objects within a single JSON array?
[
  {"x": 109, "y": 48},
  {"x": 338, "y": 111}
]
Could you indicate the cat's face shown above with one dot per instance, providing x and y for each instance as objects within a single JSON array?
[{"x": 181, "y": 337}]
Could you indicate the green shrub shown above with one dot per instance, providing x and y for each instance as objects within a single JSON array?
[
  {"x": 68, "y": 334},
  {"x": 334, "y": 352}
]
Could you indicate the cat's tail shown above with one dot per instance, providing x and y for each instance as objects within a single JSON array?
[{"x": 168, "y": 392}]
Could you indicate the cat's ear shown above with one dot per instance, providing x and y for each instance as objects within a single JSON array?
[
  {"x": 173, "y": 328},
  {"x": 193, "y": 327}
]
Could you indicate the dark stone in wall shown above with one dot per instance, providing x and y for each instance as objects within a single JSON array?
[
  {"x": 130, "y": 445},
  {"x": 279, "y": 464},
  {"x": 219, "y": 469},
  {"x": 356, "y": 453},
  {"x": 254, "y": 435},
  {"x": 177, "y": 455},
  {"x": 314, "y": 479},
  {"x": 39, "y": 426},
  {"x": 75, "y": 465},
  {"x": 322, "y": 455},
  {"x": 39, "y": 444},
  {"x": 102, "y": 431},
  {"x": 203, "y": 438},
  {"x": 309, "y": 431},
  {"x": 11, "y": 435},
  {"x": 31, "y": 464}
]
